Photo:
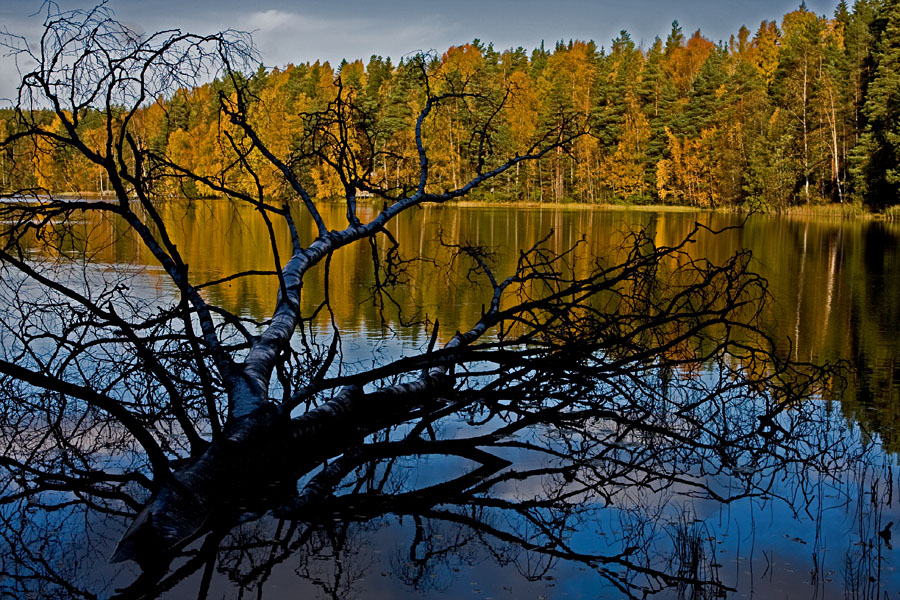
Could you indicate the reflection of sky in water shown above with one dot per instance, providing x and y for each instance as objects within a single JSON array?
[
  {"x": 761, "y": 547},
  {"x": 832, "y": 287}
]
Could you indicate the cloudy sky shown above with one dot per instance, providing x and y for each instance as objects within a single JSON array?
[{"x": 304, "y": 30}]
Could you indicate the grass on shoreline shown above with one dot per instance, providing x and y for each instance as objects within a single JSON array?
[{"x": 835, "y": 211}]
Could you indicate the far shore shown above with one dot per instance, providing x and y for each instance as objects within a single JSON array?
[{"x": 836, "y": 211}]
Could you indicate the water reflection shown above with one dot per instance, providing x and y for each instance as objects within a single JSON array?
[
  {"x": 563, "y": 493},
  {"x": 401, "y": 530},
  {"x": 835, "y": 282}
]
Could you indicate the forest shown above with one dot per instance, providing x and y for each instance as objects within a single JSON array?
[
  {"x": 802, "y": 111},
  {"x": 535, "y": 394}
]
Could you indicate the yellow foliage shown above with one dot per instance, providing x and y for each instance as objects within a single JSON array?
[
  {"x": 328, "y": 184},
  {"x": 625, "y": 168},
  {"x": 461, "y": 61},
  {"x": 43, "y": 158},
  {"x": 574, "y": 64},
  {"x": 522, "y": 110},
  {"x": 688, "y": 177},
  {"x": 685, "y": 62},
  {"x": 766, "y": 50}
]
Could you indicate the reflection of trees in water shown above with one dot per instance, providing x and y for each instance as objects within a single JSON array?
[
  {"x": 589, "y": 391},
  {"x": 661, "y": 385},
  {"x": 838, "y": 284},
  {"x": 832, "y": 284},
  {"x": 607, "y": 515}
]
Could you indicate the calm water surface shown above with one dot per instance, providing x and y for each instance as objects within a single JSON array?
[
  {"x": 835, "y": 283},
  {"x": 835, "y": 296}
]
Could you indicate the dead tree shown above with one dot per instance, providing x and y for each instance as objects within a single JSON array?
[{"x": 189, "y": 421}]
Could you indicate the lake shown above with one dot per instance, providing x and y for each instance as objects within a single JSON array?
[{"x": 835, "y": 296}]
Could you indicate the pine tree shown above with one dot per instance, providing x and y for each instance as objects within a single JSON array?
[
  {"x": 859, "y": 42},
  {"x": 657, "y": 96},
  {"x": 877, "y": 156}
]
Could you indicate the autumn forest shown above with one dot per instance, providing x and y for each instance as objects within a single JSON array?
[{"x": 798, "y": 111}]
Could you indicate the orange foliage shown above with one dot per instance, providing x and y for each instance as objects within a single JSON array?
[{"x": 684, "y": 63}]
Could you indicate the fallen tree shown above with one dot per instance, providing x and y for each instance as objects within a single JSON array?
[{"x": 646, "y": 369}]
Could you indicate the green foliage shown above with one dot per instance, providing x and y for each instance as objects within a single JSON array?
[
  {"x": 877, "y": 156},
  {"x": 806, "y": 110}
]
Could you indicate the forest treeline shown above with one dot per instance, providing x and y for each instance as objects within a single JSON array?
[{"x": 802, "y": 111}]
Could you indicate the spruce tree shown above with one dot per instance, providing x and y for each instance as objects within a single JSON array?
[{"x": 878, "y": 153}]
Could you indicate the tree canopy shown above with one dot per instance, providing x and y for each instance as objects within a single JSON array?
[{"x": 797, "y": 112}]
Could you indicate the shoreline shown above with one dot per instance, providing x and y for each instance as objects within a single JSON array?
[{"x": 834, "y": 211}]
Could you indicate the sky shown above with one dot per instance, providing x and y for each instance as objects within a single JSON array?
[{"x": 300, "y": 30}]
